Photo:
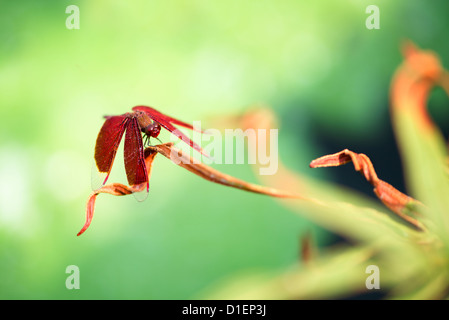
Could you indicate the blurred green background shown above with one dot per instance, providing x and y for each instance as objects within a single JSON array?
[{"x": 315, "y": 63}]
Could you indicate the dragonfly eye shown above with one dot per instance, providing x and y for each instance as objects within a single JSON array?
[
  {"x": 155, "y": 129},
  {"x": 152, "y": 130}
]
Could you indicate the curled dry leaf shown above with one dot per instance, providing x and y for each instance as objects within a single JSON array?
[
  {"x": 395, "y": 200},
  {"x": 322, "y": 195},
  {"x": 116, "y": 189},
  {"x": 186, "y": 162}
]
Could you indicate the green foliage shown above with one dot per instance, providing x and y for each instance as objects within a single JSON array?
[{"x": 195, "y": 60}]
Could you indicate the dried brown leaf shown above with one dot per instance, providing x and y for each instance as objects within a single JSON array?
[
  {"x": 395, "y": 200},
  {"x": 186, "y": 162}
]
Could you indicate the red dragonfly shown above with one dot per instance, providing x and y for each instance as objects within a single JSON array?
[{"x": 142, "y": 119}]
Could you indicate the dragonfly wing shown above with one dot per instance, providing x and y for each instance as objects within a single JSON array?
[
  {"x": 135, "y": 162},
  {"x": 106, "y": 147},
  {"x": 167, "y": 123},
  {"x": 153, "y": 113}
]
